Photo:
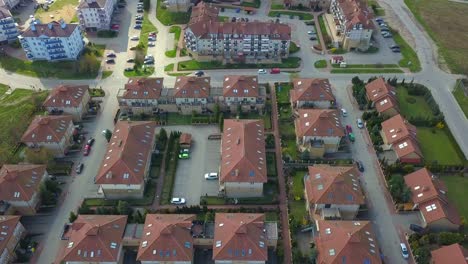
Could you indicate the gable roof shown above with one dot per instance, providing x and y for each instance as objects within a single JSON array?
[
  {"x": 311, "y": 89},
  {"x": 387, "y": 102},
  {"x": 4, "y": 12},
  {"x": 243, "y": 156},
  {"x": 8, "y": 224},
  {"x": 51, "y": 30},
  {"x": 203, "y": 12},
  {"x": 47, "y": 129},
  {"x": 94, "y": 238},
  {"x": 20, "y": 182},
  {"x": 66, "y": 96},
  {"x": 166, "y": 237},
  {"x": 92, "y": 4},
  {"x": 127, "y": 153},
  {"x": 318, "y": 123},
  {"x": 453, "y": 254},
  {"x": 192, "y": 87},
  {"x": 401, "y": 135},
  {"x": 240, "y": 86},
  {"x": 143, "y": 88},
  {"x": 346, "y": 242},
  {"x": 239, "y": 237},
  {"x": 355, "y": 13},
  {"x": 378, "y": 89},
  {"x": 327, "y": 184},
  {"x": 185, "y": 138}
]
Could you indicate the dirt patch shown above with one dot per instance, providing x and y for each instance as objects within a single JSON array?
[{"x": 67, "y": 12}]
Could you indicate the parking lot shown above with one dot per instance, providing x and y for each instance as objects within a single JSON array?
[{"x": 204, "y": 157}]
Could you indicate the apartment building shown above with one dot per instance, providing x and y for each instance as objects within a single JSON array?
[
  {"x": 243, "y": 159},
  {"x": 140, "y": 95},
  {"x": 11, "y": 233},
  {"x": 383, "y": 97},
  {"x": 243, "y": 91},
  {"x": 19, "y": 188},
  {"x": 9, "y": 4},
  {"x": 69, "y": 99},
  {"x": 8, "y": 30},
  {"x": 318, "y": 131},
  {"x": 312, "y": 93},
  {"x": 178, "y": 5},
  {"x": 125, "y": 168},
  {"x": 312, "y": 4},
  {"x": 52, "y": 42},
  {"x": 95, "y": 14},
  {"x": 191, "y": 93},
  {"x": 333, "y": 192},
  {"x": 453, "y": 254},
  {"x": 353, "y": 24},
  {"x": 51, "y": 132},
  {"x": 207, "y": 39}
]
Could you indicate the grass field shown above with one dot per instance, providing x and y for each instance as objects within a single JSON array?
[
  {"x": 59, "y": 9},
  {"x": 410, "y": 58},
  {"x": 169, "y": 18},
  {"x": 169, "y": 67},
  {"x": 282, "y": 92},
  {"x": 372, "y": 66},
  {"x": 364, "y": 70},
  {"x": 438, "y": 146},
  {"x": 3, "y": 89},
  {"x": 298, "y": 209},
  {"x": 457, "y": 193},
  {"x": 417, "y": 109},
  {"x": 302, "y": 16},
  {"x": 191, "y": 65},
  {"x": 271, "y": 164},
  {"x": 320, "y": 64},
  {"x": 298, "y": 184},
  {"x": 461, "y": 98},
  {"x": 445, "y": 22},
  {"x": 176, "y": 30}
]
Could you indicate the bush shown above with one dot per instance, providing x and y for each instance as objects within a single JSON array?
[
  {"x": 411, "y": 100},
  {"x": 447, "y": 238}
]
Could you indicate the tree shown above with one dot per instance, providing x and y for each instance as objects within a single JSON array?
[
  {"x": 216, "y": 111},
  {"x": 123, "y": 208},
  {"x": 84, "y": 209},
  {"x": 72, "y": 217},
  {"x": 305, "y": 155},
  {"x": 107, "y": 134},
  {"x": 447, "y": 238},
  {"x": 221, "y": 122}
]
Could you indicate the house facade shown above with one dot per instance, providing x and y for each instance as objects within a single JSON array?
[
  {"x": 192, "y": 93},
  {"x": 8, "y": 29},
  {"x": 312, "y": 93},
  {"x": 383, "y": 97},
  {"x": 12, "y": 232},
  {"x": 52, "y": 42},
  {"x": 95, "y": 14},
  {"x": 54, "y": 133},
  {"x": 140, "y": 95},
  {"x": 242, "y": 91},
  {"x": 69, "y": 99}
]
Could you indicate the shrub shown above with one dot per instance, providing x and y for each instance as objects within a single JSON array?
[
  {"x": 447, "y": 238},
  {"x": 411, "y": 100}
]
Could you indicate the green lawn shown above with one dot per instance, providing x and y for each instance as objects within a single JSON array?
[
  {"x": 410, "y": 58},
  {"x": 3, "y": 88},
  {"x": 271, "y": 164},
  {"x": 358, "y": 71},
  {"x": 58, "y": 5},
  {"x": 374, "y": 66},
  {"x": 302, "y": 16},
  {"x": 293, "y": 48},
  {"x": 290, "y": 149},
  {"x": 324, "y": 30},
  {"x": 412, "y": 106},
  {"x": 282, "y": 92},
  {"x": 178, "y": 74},
  {"x": 146, "y": 28},
  {"x": 256, "y": 3},
  {"x": 298, "y": 185},
  {"x": 320, "y": 64},
  {"x": 298, "y": 210},
  {"x": 140, "y": 72},
  {"x": 457, "y": 193},
  {"x": 176, "y": 30},
  {"x": 461, "y": 98},
  {"x": 378, "y": 11},
  {"x": 106, "y": 74},
  {"x": 171, "y": 53},
  {"x": 169, "y": 67},
  {"x": 177, "y": 119},
  {"x": 252, "y": 115},
  {"x": 191, "y": 65},
  {"x": 438, "y": 146},
  {"x": 170, "y": 18}
]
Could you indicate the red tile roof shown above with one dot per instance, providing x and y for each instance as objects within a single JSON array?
[
  {"x": 327, "y": 184},
  {"x": 243, "y": 156},
  {"x": 94, "y": 238},
  {"x": 203, "y": 12},
  {"x": 318, "y": 123},
  {"x": 239, "y": 237},
  {"x": 355, "y": 13},
  {"x": 401, "y": 135},
  {"x": 240, "y": 86},
  {"x": 127, "y": 153},
  {"x": 20, "y": 182},
  {"x": 439, "y": 208},
  {"x": 453, "y": 254},
  {"x": 346, "y": 242},
  {"x": 55, "y": 31},
  {"x": 312, "y": 89},
  {"x": 166, "y": 237},
  {"x": 47, "y": 129},
  {"x": 66, "y": 96},
  {"x": 8, "y": 224},
  {"x": 185, "y": 138},
  {"x": 143, "y": 88},
  {"x": 192, "y": 87},
  {"x": 386, "y": 103},
  {"x": 382, "y": 94}
]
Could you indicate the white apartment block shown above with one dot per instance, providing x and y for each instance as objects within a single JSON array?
[
  {"x": 9, "y": 4},
  {"x": 8, "y": 30},
  {"x": 95, "y": 14},
  {"x": 53, "y": 41}
]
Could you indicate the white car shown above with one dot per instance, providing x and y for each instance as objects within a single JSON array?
[
  {"x": 211, "y": 176},
  {"x": 262, "y": 71},
  {"x": 134, "y": 38},
  {"x": 360, "y": 124},
  {"x": 404, "y": 250},
  {"x": 178, "y": 200},
  {"x": 344, "y": 113},
  {"x": 310, "y": 32}
]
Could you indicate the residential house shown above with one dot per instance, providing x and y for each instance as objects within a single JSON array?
[
  {"x": 54, "y": 133},
  {"x": 312, "y": 4},
  {"x": 69, "y": 99},
  {"x": 181, "y": 6},
  {"x": 383, "y": 97},
  {"x": 318, "y": 131},
  {"x": 19, "y": 187},
  {"x": 94, "y": 239},
  {"x": 340, "y": 242},
  {"x": 243, "y": 238},
  {"x": 400, "y": 136},
  {"x": 244, "y": 92},
  {"x": 243, "y": 161},
  {"x": 312, "y": 93},
  {"x": 125, "y": 168},
  {"x": 167, "y": 238},
  {"x": 429, "y": 194},
  {"x": 207, "y": 39},
  {"x": 52, "y": 42},
  {"x": 140, "y": 95},
  {"x": 353, "y": 22},
  {"x": 191, "y": 93},
  {"x": 333, "y": 191},
  {"x": 8, "y": 30},
  {"x": 9, "y": 4},
  {"x": 95, "y": 14},
  {"x": 453, "y": 254},
  {"x": 11, "y": 233}
]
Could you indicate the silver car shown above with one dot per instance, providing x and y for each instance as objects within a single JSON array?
[
  {"x": 178, "y": 201},
  {"x": 211, "y": 176}
]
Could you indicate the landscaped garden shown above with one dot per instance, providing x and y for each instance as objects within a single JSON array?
[
  {"x": 192, "y": 65},
  {"x": 437, "y": 145},
  {"x": 168, "y": 18},
  {"x": 457, "y": 193},
  {"x": 291, "y": 14},
  {"x": 412, "y": 106},
  {"x": 176, "y": 30}
]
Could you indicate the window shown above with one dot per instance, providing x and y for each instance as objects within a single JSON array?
[
  {"x": 327, "y": 205},
  {"x": 126, "y": 175},
  {"x": 234, "y": 91}
]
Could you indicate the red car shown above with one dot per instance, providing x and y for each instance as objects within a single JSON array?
[
  {"x": 87, "y": 149},
  {"x": 275, "y": 71},
  {"x": 349, "y": 129}
]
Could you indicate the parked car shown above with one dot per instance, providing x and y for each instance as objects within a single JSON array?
[
  {"x": 313, "y": 38},
  {"x": 310, "y": 32},
  {"x": 394, "y": 47},
  {"x": 385, "y": 29},
  {"x": 404, "y": 250},
  {"x": 178, "y": 201},
  {"x": 417, "y": 229},
  {"x": 359, "y": 122},
  {"x": 262, "y": 71},
  {"x": 139, "y": 10},
  {"x": 90, "y": 141},
  {"x": 344, "y": 113},
  {"x": 131, "y": 60},
  {"x": 349, "y": 129},
  {"x": 128, "y": 69},
  {"x": 139, "y": 18},
  {"x": 351, "y": 137},
  {"x": 137, "y": 27},
  {"x": 199, "y": 73},
  {"x": 184, "y": 154},
  {"x": 396, "y": 50},
  {"x": 152, "y": 34},
  {"x": 275, "y": 70},
  {"x": 360, "y": 166},
  {"x": 79, "y": 168},
  {"x": 110, "y": 61},
  {"x": 111, "y": 55},
  {"x": 138, "y": 22},
  {"x": 87, "y": 149},
  {"x": 149, "y": 57},
  {"x": 148, "y": 62},
  {"x": 151, "y": 44},
  {"x": 211, "y": 176},
  {"x": 150, "y": 38},
  {"x": 134, "y": 38}
]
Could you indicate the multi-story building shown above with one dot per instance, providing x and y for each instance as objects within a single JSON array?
[
  {"x": 208, "y": 39},
  {"x": 51, "y": 132},
  {"x": 140, "y": 95},
  {"x": 312, "y": 4},
  {"x": 191, "y": 93},
  {"x": 11, "y": 233},
  {"x": 353, "y": 22},
  {"x": 453, "y": 254},
  {"x": 19, "y": 187},
  {"x": 178, "y": 5},
  {"x": 333, "y": 191},
  {"x": 244, "y": 91},
  {"x": 52, "y": 42},
  {"x": 8, "y": 30},
  {"x": 9, "y": 4},
  {"x": 94, "y": 239},
  {"x": 69, "y": 99},
  {"x": 312, "y": 93},
  {"x": 95, "y": 14},
  {"x": 125, "y": 168},
  {"x": 243, "y": 160},
  {"x": 383, "y": 97},
  {"x": 318, "y": 131}
]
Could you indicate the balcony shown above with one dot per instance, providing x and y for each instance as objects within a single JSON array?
[
  {"x": 57, "y": 52},
  {"x": 52, "y": 41},
  {"x": 6, "y": 21},
  {"x": 8, "y": 26},
  {"x": 50, "y": 47},
  {"x": 58, "y": 57}
]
